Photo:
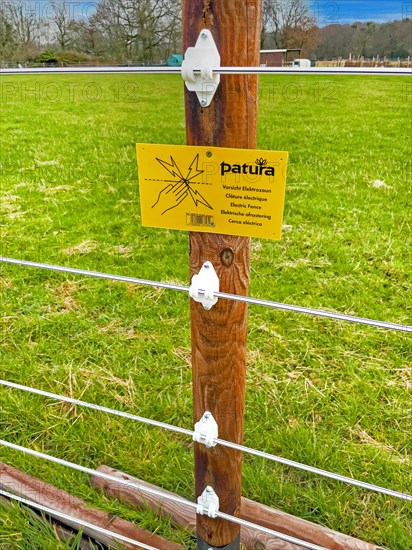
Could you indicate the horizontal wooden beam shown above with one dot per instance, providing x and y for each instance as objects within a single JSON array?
[
  {"x": 299, "y": 528},
  {"x": 21, "y": 484},
  {"x": 179, "y": 513},
  {"x": 250, "y": 511}
]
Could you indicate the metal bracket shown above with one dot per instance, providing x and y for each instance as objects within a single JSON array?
[
  {"x": 204, "y": 285},
  {"x": 206, "y": 430},
  {"x": 204, "y": 56},
  {"x": 208, "y": 503}
]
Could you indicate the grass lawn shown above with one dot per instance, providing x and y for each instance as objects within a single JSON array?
[{"x": 329, "y": 394}]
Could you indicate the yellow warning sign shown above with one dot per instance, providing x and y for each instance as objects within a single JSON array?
[{"x": 212, "y": 189}]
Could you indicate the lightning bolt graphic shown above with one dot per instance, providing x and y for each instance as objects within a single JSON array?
[
  {"x": 182, "y": 188},
  {"x": 197, "y": 171},
  {"x": 170, "y": 167},
  {"x": 201, "y": 200},
  {"x": 197, "y": 198}
]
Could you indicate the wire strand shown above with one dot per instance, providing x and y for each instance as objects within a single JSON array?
[
  {"x": 95, "y": 407},
  {"x": 340, "y": 71},
  {"x": 235, "y": 297},
  {"x": 77, "y": 521},
  {"x": 224, "y": 443},
  {"x": 317, "y": 471},
  {"x": 154, "y": 492}
]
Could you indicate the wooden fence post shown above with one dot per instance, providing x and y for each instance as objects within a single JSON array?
[{"x": 219, "y": 335}]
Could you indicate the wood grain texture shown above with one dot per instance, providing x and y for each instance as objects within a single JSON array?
[
  {"x": 180, "y": 514},
  {"x": 251, "y": 511},
  {"x": 219, "y": 367},
  {"x": 219, "y": 335},
  {"x": 17, "y": 482},
  {"x": 301, "y": 529}
]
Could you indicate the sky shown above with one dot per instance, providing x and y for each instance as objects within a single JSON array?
[
  {"x": 326, "y": 12},
  {"x": 347, "y": 11}
]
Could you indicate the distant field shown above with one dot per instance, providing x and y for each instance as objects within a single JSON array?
[{"x": 332, "y": 395}]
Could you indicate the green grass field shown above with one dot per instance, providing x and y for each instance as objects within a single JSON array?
[{"x": 329, "y": 394}]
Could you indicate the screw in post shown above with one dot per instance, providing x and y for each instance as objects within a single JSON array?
[
  {"x": 203, "y": 35},
  {"x": 203, "y": 102}
]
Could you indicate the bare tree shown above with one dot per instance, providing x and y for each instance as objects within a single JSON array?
[
  {"x": 290, "y": 23},
  {"x": 7, "y": 37},
  {"x": 25, "y": 29},
  {"x": 25, "y": 20},
  {"x": 139, "y": 28},
  {"x": 266, "y": 21},
  {"x": 88, "y": 38},
  {"x": 62, "y": 20}
]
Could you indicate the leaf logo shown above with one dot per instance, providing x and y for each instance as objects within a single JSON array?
[{"x": 261, "y": 162}]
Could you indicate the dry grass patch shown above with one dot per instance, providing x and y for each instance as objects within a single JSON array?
[
  {"x": 64, "y": 294},
  {"x": 84, "y": 247}
]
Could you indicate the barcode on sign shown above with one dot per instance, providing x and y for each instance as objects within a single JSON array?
[{"x": 200, "y": 220}]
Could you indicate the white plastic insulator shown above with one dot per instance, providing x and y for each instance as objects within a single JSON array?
[
  {"x": 204, "y": 285},
  {"x": 203, "y": 57},
  {"x": 206, "y": 430},
  {"x": 208, "y": 503}
]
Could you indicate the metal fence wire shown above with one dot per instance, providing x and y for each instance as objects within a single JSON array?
[
  {"x": 170, "y": 427},
  {"x": 177, "y": 429},
  {"x": 338, "y": 71},
  {"x": 249, "y": 300}
]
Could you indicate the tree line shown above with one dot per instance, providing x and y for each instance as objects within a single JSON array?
[
  {"x": 391, "y": 40},
  {"x": 118, "y": 30},
  {"x": 148, "y": 31}
]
